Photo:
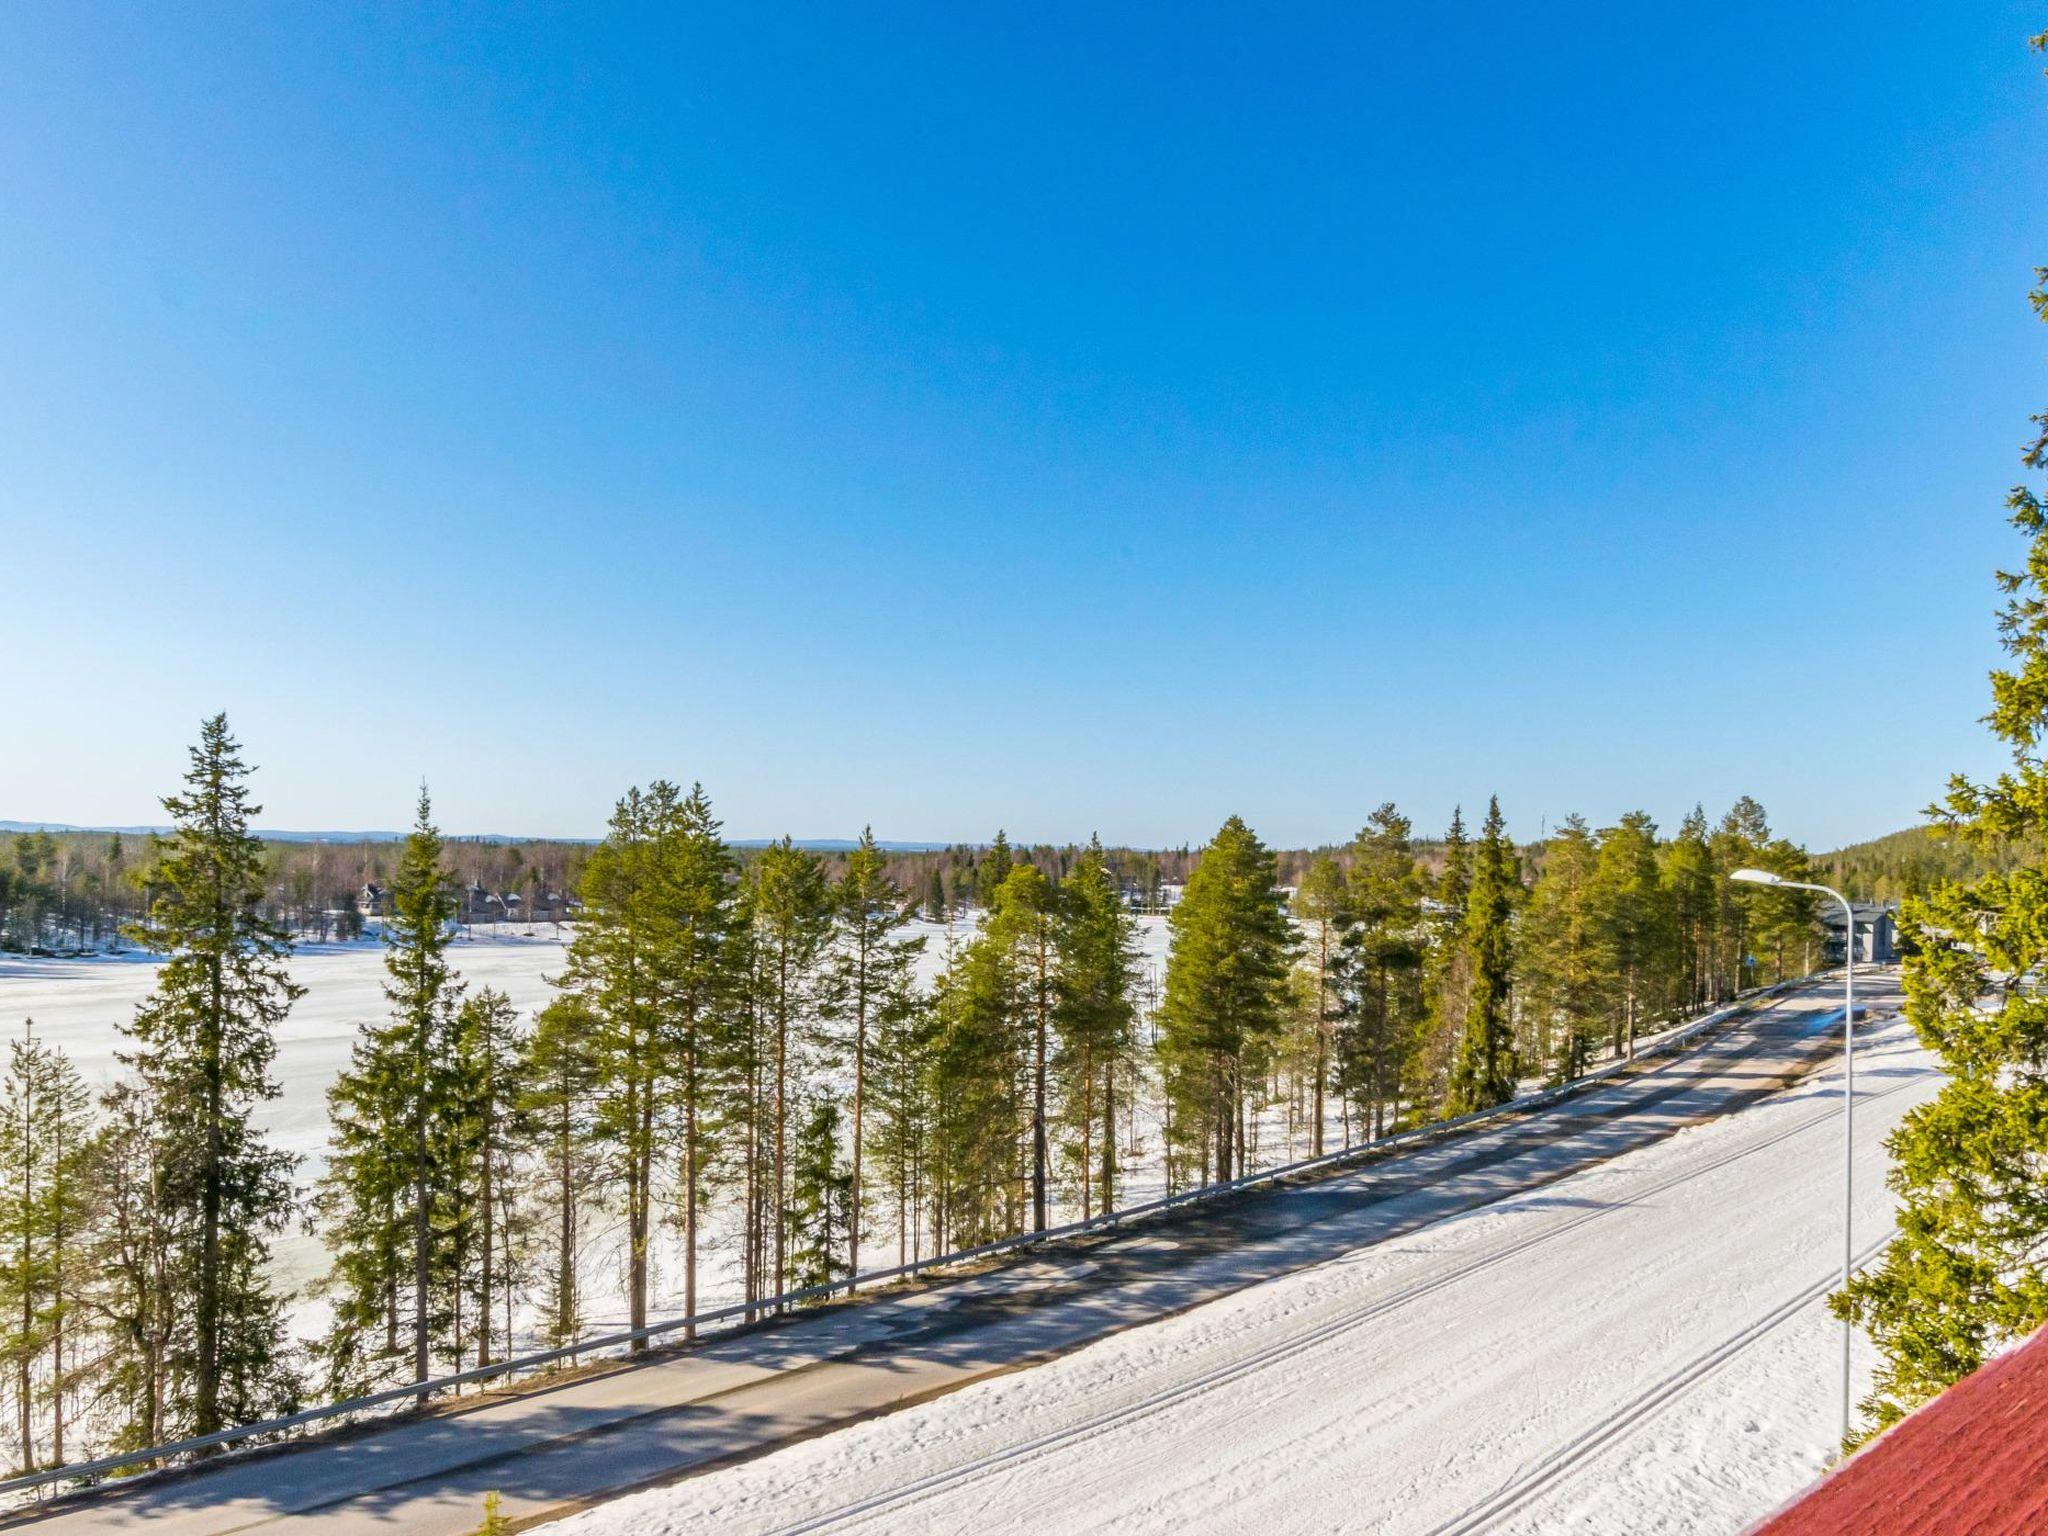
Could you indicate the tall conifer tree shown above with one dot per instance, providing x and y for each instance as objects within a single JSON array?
[
  {"x": 1483, "y": 1074},
  {"x": 203, "y": 1046},
  {"x": 1966, "y": 1273},
  {"x": 868, "y": 987}
]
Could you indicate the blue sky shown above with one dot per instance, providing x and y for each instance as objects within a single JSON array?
[{"x": 1070, "y": 418}]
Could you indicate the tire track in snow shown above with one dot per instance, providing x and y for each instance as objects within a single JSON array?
[
  {"x": 1009, "y": 1457},
  {"x": 1583, "y": 1447}
]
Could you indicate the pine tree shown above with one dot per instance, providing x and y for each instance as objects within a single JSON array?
[
  {"x": 557, "y": 1074},
  {"x": 934, "y": 896},
  {"x": 698, "y": 966},
  {"x": 1385, "y": 964},
  {"x": 477, "y": 1141},
  {"x": 1484, "y": 1072},
  {"x": 1562, "y": 951},
  {"x": 45, "y": 1139},
  {"x": 1966, "y": 1273},
  {"x": 1023, "y": 918},
  {"x": 204, "y": 1041},
  {"x": 868, "y": 986},
  {"x": 1226, "y": 996},
  {"x": 133, "y": 1255},
  {"x": 792, "y": 917},
  {"x": 1635, "y": 927},
  {"x": 1095, "y": 983},
  {"x": 1689, "y": 874},
  {"x": 1323, "y": 904},
  {"x": 655, "y": 961},
  {"x": 976, "y": 1062}
]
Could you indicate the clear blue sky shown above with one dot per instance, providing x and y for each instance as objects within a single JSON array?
[{"x": 1062, "y": 417}]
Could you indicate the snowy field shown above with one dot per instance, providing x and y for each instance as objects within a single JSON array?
[{"x": 1640, "y": 1348}]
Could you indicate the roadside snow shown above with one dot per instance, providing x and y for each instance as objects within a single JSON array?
[{"x": 1619, "y": 1374}]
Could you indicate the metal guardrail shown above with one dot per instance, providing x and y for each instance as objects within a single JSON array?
[{"x": 88, "y": 1472}]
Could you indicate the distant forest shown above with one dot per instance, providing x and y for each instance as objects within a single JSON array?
[
  {"x": 1918, "y": 860},
  {"x": 73, "y": 891}
]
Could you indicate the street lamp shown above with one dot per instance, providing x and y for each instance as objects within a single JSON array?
[{"x": 1765, "y": 877}]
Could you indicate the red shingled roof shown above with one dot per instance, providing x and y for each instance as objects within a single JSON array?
[{"x": 1974, "y": 1462}]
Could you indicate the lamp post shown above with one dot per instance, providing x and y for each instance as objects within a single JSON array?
[{"x": 1765, "y": 877}]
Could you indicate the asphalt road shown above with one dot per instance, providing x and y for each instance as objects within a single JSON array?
[{"x": 554, "y": 1449}]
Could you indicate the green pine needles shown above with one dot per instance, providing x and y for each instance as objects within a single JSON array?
[{"x": 1966, "y": 1274}]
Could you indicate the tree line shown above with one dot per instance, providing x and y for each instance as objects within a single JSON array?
[{"x": 739, "y": 1074}]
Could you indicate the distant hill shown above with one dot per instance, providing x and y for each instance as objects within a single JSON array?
[{"x": 1916, "y": 859}]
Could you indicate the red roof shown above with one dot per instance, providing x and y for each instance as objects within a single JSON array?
[{"x": 1974, "y": 1462}]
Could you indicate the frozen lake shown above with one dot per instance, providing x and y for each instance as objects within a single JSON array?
[{"x": 80, "y": 1005}]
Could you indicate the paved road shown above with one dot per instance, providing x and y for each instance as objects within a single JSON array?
[{"x": 551, "y": 1450}]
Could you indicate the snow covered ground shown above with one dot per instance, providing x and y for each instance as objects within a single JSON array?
[
  {"x": 80, "y": 1004},
  {"x": 1640, "y": 1348}
]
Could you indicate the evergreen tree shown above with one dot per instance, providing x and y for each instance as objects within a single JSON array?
[
  {"x": 1635, "y": 927},
  {"x": 1562, "y": 950},
  {"x": 1322, "y": 903},
  {"x": 868, "y": 986},
  {"x": 821, "y": 1201},
  {"x": 656, "y": 961},
  {"x": 1484, "y": 1072},
  {"x": 1966, "y": 1273},
  {"x": 389, "y": 1184},
  {"x": 1690, "y": 876},
  {"x": 134, "y": 1250},
  {"x": 45, "y": 1139},
  {"x": 993, "y": 870},
  {"x": 204, "y": 1041},
  {"x": 1226, "y": 996},
  {"x": 697, "y": 971},
  {"x": 976, "y": 1062},
  {"x": 1096, "y": 1009},
  {"x": 1447, "y": 967},
  {"x": 792, "y": 917},
  {"x": 1385, "y": 964},
  {"x": 477, "y": 1149},
  {"x": 1024, "y": 919},
  {"x": 557, "y": 1076}
]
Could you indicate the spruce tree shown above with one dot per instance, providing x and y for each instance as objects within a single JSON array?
[
  {"x": 204, "y": 1042},
  {"x": 1966, "y": 1273},
  {"x": 821, "y": 1201},
  {"x": 1484, "y": 1071},
  {"x": 993, "y": 870},
  {"x": 414, "y": 1060}
]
